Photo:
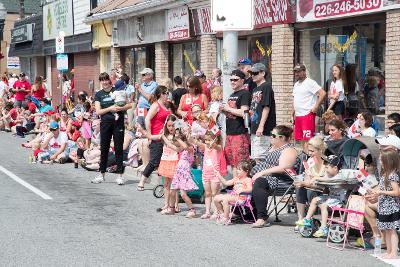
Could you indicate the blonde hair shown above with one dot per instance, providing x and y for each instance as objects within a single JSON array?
[
  {"x": 318, "y": 143},
  {"x": 216, "y": 92}
]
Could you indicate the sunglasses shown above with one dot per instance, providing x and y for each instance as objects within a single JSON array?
[
  {"x": 254, "y": 73},
  {"x": 234, "y": 80}
]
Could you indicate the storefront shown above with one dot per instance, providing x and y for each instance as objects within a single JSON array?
[
  {"x": 26, "y": 43},
  {"x": 355, "y": 41},
  {"x": 102, "y": 40}
]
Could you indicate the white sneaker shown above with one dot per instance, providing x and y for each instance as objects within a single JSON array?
[
  {"x": 98, "y": 179},
  {"x": 120, "y": 180}
]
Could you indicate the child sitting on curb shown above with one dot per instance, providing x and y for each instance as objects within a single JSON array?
[{"x": 334, "y": 198}]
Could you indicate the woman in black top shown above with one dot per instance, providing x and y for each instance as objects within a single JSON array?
[{"x": 111, "y": 126}]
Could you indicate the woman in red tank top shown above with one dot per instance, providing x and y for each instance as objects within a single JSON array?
[
  {"x": 155, "y": 120},
  {"x": 37, "y": 88},
  {"x": 194, "y": 96}
]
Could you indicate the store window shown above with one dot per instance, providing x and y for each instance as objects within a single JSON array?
[
  {"x": 359, "y": 49},
  {"x": 185, "y": 58},
  {"x": 141, "y": 57},
  {"x": 260, "y": 49},
  {"x": 105, "y": 60}
]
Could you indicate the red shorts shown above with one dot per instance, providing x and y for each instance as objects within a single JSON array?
[
  {"x": 237, "y": 148},
  {"x": 304, "y": 127}
]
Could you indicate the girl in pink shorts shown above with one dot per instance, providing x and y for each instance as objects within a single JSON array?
[{"x": 212, "y": 161}]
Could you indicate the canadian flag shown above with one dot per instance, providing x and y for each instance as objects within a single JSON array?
[
  {"x": 362, "y": 174},
  {"x": 312, "y": 161},
  {"x": 141, "y": 112},
  {"x": 215, "y": 130},
  {"x": 291, "y": 172}
]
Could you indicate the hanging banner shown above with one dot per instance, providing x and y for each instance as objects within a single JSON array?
[
  {"x": 313, "y": 10},
  {"x": 201, "y": 18},
  {"x": 57, "y": 17},
  {"x": 271, "y": 12},
  {"x": 178, "y": 23}
]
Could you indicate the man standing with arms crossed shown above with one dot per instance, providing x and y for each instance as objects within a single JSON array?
[{"x": 307, "y": 98}]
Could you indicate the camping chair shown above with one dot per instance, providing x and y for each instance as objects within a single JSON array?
[
  {"x": 285, "y": 187},
  {"x": 242, "y": 204},
  {"x": 350, "y": 217}
]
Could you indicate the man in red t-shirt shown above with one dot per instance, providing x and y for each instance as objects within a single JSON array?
[
  {"x": 22, "y": 87},
  {"x": 204, "y": 84}
]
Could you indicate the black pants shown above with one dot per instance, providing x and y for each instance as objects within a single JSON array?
[
  {"x": 261, "y": 192},
  {"x": 115, "y": 130},
  {"x": 304, "y": 195},
  {"x": 156, "y": 149}
]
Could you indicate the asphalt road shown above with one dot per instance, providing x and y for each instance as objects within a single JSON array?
[{"x": 108, "y": 225}]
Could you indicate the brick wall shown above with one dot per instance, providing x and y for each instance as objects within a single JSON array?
[
  {"x": 392, "y": 59},
  {"x": 161, "y": 69},
  {"x": 282, "y": 71},
  {"x": 208, "y": 54},
  {"x": 87, "y": 70},
  {"x": 115, "y": 58}
]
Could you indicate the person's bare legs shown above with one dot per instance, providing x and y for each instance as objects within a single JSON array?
[
  {"x": 370, "y": 216},
  {"x": 394, "y": 244},
  {"x": 186, "y": 199},
  {"x": 218, "y": 203},
  {"x": 215, "y": 188},
  {"x": 313, "y": 207},
  {"x": 301, "y": 209},
  {"x": 324, "y": 215},
  {"x": 208, "y": 196},
  {"x": 225, "y": 204},
  {"x": 167, "y": 191}
]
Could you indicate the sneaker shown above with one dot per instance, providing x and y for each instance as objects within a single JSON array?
[
  {"x": 322, "y": 232},
  {"x": 205, "y": 216},
  {"x": 191, "y": 213},
  {"x": 296, "y": 229},
  {"x": 120, "y": 180},
  {"x": 99, "y": 179},
  {"x": 305, "y": 222}
]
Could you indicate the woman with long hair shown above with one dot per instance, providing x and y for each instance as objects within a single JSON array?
[
  {"x": 38, "y": 90},
  {"x": 337, "y": 90}
]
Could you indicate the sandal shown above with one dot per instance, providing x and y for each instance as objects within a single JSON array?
[
  {"x": 205, "y": 216},
  {"x": 140, "y": 188},
  {"x": 191, "y": 213},
  {"x": 161, "y": 209},
  {"x": 177, "y": 209},
  {"x": 260, "y": 225},
  {"x": 168, "y": 211}
]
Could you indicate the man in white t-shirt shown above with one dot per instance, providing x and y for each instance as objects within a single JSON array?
[
  {"x": 307, "y": 97},
  {"x": 55, "y": 143}
]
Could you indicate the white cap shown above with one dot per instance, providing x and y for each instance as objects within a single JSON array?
[
  {"x": 147, "y": 70},
  {"x": 390, "y": 140}
]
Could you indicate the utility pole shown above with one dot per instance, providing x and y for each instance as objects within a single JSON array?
[{"x": 21, "y": 9}]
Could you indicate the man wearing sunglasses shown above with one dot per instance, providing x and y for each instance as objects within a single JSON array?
[
  {"x": 237, "y": 137},
  {"x": 307, "y": 98},
  {"x": 262, "y": 111},
  {"x": 145, "y": 90}
]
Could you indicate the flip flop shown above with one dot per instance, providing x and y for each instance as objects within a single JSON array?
[
  {"x": 140, "y": 188},
  {"x": 266, "y": 224}
]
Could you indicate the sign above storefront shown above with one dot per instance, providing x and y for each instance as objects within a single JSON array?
[
  {"x": 202, "y": 21},
  {"x": 178, "y": 23},
  {"x": 313, "y": 10},
  {"x": 57, "y": 16},
  {"x": 271, "y": 12},
  {"x": 22, "y": 33}
]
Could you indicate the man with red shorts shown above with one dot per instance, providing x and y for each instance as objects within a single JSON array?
[
  {"x": 307, "y": 97},
  {"x": 237, "y": 135}
]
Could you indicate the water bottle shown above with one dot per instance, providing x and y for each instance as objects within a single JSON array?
[
  {"x": 377, "y": 245},
  {"x": 246, "y": 118}
]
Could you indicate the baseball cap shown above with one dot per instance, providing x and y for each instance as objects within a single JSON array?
[
  {"x": 146, "y": 71},
  {"x": 258, "y": 67},
  {"x": 50, "y": 112},
  {"x": 54, "y": 125},
  {"x": 198, "y": 73},
  {"x": 238, "y": 73},
  {"x": 299, "y": 67},
  {"x": 333, "y": 160},
  {"x": 245, "y": 61},
  {"x": 390, "y": 140}
]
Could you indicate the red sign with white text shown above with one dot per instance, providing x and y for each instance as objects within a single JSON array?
[
  {"x": 271, "y": 12},
  {"x": 178, "y": 23},
  {"x": 312, "y": 10}
]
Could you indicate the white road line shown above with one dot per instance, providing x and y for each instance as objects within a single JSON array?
[{"x": 22, "y": 182}]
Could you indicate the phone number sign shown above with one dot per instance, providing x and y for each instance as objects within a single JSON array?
[{"x": 312, "y": 10}]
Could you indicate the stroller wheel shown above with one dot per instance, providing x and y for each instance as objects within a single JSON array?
[
  {"x": 158, "y": 191},
  {"x": 336, "y": 233},
  {"x": 309, "y": 231}
]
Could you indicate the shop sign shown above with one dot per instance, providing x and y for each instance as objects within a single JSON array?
[
  {"x": 57, "y": 17},
  {"x": 12, "y": 62},
  {"x": 312, "y": 10},
  {"x": 22, "y": 33},
  {"x": 62, "y": 62},
  {"x": 271, "y": 12},
  {"x": 178, "y": 23},
  {"x": 202, "y": 21}
]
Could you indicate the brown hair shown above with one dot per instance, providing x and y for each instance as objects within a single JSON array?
[
  {"x": 328, "y": 116},
  {"x": 172, "y": 118},
  {"x": 161, "y": 89},
  {"x": 217, "y": 138},
  {"x": 4, "y": 77},
  {"x": 338, "y": 124},
  {"x": 195, "y": 83},
  {"x": 284, "y": 130},
  {"x": 390, "y": 164},
  {"x": 104, "y": 77},
  {"x": 246, "y": 165},
  {"x": 342, "y": 76},
  {"x": 368, "y": 118}
]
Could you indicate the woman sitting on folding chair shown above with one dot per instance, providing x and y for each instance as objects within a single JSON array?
[
  {"x": 304, "y": 193},
  {"x": 280, "y": 156}
]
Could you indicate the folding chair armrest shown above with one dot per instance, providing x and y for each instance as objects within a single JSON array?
[
  {"x": 334, "y": 208},
  {"x": 355, "y": 212}
]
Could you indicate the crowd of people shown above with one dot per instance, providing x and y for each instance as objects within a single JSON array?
[{"x": 157, "y": 128}]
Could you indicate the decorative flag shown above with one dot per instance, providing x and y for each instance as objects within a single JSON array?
[
  {"x": 141, "y": 112},
  {"x": 215, "y": 130},
  {"x": 312, "y": 161},
  {"x": 291, "y": 172}
]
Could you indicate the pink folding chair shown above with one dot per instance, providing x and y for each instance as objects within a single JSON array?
[
  {"x": 350, "y": 217},
  {"x": 241, "y": 204}
]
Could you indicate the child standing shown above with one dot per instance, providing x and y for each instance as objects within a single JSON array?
[
  {"x": 389, "y": 201},
  {"x": 335, "y": 197},
  {"x": 212, "y": 155},
  {"x": 183, "y": 178},
  {"x": 241, "y": 184},
  {"x": 119, "y": 96},
  {"x": 169, "y": 161}
]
